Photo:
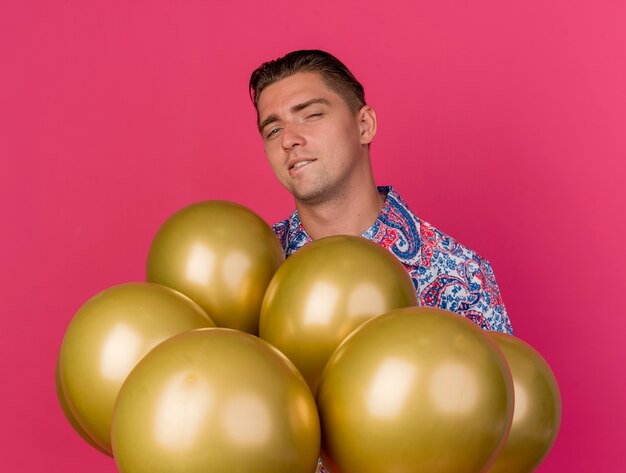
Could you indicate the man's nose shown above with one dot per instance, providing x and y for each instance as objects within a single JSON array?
[{"x": 292, "y": 136}]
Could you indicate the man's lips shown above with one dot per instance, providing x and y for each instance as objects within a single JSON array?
[{"x": 299, "y": 163}]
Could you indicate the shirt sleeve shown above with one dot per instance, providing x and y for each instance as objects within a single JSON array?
[{"x": 459, "y": 280}]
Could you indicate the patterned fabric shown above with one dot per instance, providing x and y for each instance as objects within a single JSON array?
[{"x": 445, "y": 273}]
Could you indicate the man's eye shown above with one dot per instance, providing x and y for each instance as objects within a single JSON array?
[
  {"x": 272, "y": 132},
  {"x": 314, "y": 115}
]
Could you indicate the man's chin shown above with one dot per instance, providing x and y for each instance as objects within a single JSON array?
[{"x": 308, "y": 197}]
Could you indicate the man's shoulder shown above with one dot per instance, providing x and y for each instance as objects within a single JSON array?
[
  {"x": 291, "y": 234},
  {"x": 281, "y": 228},
  {"x": 448, "y": 274},
  {"x": 416, "y": 241}
]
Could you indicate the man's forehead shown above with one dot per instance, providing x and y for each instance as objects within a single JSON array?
[{"x": 292, "y": 90}]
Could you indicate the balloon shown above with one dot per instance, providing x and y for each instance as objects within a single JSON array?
[
  {"x": 326, "y": 290},
  {"x": 106, "y": 338},
  {"x": 537, "y": 412},
  {"x": 215, "y": 400},
  {"x": 70, "y": 416},
  {"x": 220, "y": 254},
  {"x": 414, "y": 390}
]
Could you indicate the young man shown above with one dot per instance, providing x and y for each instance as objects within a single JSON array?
[{"x": 317, "y": 128}]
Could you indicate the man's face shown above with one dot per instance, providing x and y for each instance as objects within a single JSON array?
[{"x": 313, "y": 141}]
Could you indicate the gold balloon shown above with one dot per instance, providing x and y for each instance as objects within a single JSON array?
[
  {"x": 220, "y": 254},
  {"x": 108, "y": 335},
  {"x": 215, "y": 400},
  {"x": 69, "y": 415},
  {"x": 326, "y": 290},
  {"x": 537, "y": 412},
  {"x": 417, "y": 390}
]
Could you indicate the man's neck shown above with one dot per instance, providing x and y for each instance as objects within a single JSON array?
[{"x": 350, "y": 214}]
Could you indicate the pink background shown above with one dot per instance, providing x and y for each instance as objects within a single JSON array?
[{"x": 501, "y": 123}]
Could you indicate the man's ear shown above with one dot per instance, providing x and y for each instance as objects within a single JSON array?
[{"x": 367, "y": 124}]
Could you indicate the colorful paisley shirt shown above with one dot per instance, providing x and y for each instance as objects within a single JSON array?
[{"x": 445, "y": 273}]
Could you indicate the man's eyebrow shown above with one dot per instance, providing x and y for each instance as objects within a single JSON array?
[
  {"x": 295, "y": 109},
  {"x": 272, "y": 118},
  {"x": 302, "y": 106}
]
